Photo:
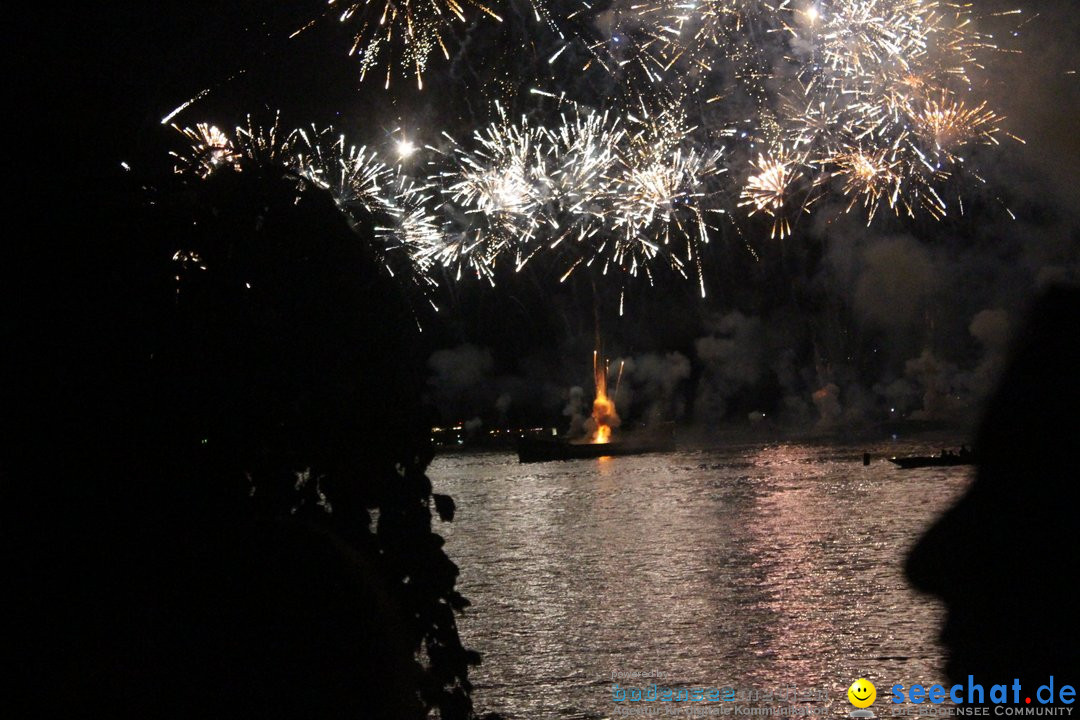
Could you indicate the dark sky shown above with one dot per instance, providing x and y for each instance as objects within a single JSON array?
[{"x": 91, "y": 84}]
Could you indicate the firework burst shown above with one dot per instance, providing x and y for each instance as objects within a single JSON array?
[
  {"x": 871, "y": 176},
  {"x": 410, "y": 233},
  {"x": 209, "y": 149},
  {"x": 584, "y": 148},
  {"x": 771, "y": 188},
  {"x": 659, "y": 197},
  {"x": 354, "y": 176},
  {"x": 868, "y": 100},
  {"x": 505, "y": 186},
  {"x": 947, "y": 124},
  {"x": 402, "y": 34}
]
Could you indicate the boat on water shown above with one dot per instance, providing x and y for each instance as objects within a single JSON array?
[
  {"x": 945, "y": 459},
  {"x": 532, "y": 449}
]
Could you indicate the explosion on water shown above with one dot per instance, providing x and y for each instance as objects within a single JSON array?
[{"x": 604, "y": 416}]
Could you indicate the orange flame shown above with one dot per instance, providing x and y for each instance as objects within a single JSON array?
[{"x": 604, "y": 416}]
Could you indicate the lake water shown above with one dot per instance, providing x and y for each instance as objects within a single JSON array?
[{"x": 754, "y": 567}]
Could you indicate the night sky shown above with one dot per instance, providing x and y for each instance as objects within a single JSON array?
[{"x": 838, "y": 324}]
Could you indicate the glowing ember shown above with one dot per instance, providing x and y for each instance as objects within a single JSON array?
[{"x": 604, "y": 417}]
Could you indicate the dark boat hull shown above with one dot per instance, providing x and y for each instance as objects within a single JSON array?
[
  {"x": 543, "y": 450},
  {"x": 910, "y": 463}
]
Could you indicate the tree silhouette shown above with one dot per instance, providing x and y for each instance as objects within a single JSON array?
[
  {"x": 241, "y": 516},
  {"x": 292, "y": 367}
]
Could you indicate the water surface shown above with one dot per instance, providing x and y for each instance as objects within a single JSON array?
[{"x": 753, "y": 567}]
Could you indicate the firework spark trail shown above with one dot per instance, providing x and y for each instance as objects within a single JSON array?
[
  {"x": 948, "y": 124},
  {"x": 363, "y": 187},
  {"x": 659, "y": 195},
  {"x": 409, "y": 230},
  {"x": 846, "y": 41},
  {"x": 830, "y": 79},
  {"x": 868, "y": 100},
  {"x": 872, "y": 176},
  {"x": 651, "y": 191},
  {"x": 413, "y": 227},
  {"x": 770, "y": 189},
  {"x": 882, "y": 84},
  {"x": 584, "y": 148},
  {"x": 208, "y": 150},
  {"x": 590, "y": 188},
  {"x": 410, "y": 29},
  {"x": 264, "y": 145},
  {"x": 845, "y": 85},
  {"x": 353, "y": 175},
  {"x": 505, "y": 185}
]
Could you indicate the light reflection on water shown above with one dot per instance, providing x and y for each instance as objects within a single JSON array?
[{"x": 755, "y": 567}]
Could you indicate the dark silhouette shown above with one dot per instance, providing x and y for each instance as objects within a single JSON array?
[
  {"x": 216, "y": 489},
  {"x": 1004, "y": 559}
]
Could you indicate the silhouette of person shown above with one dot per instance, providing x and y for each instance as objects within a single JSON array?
[{"x": 1004, "y": 558}]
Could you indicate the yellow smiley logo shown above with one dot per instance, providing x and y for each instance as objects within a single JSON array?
[{"x": 862, "y": 693}]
